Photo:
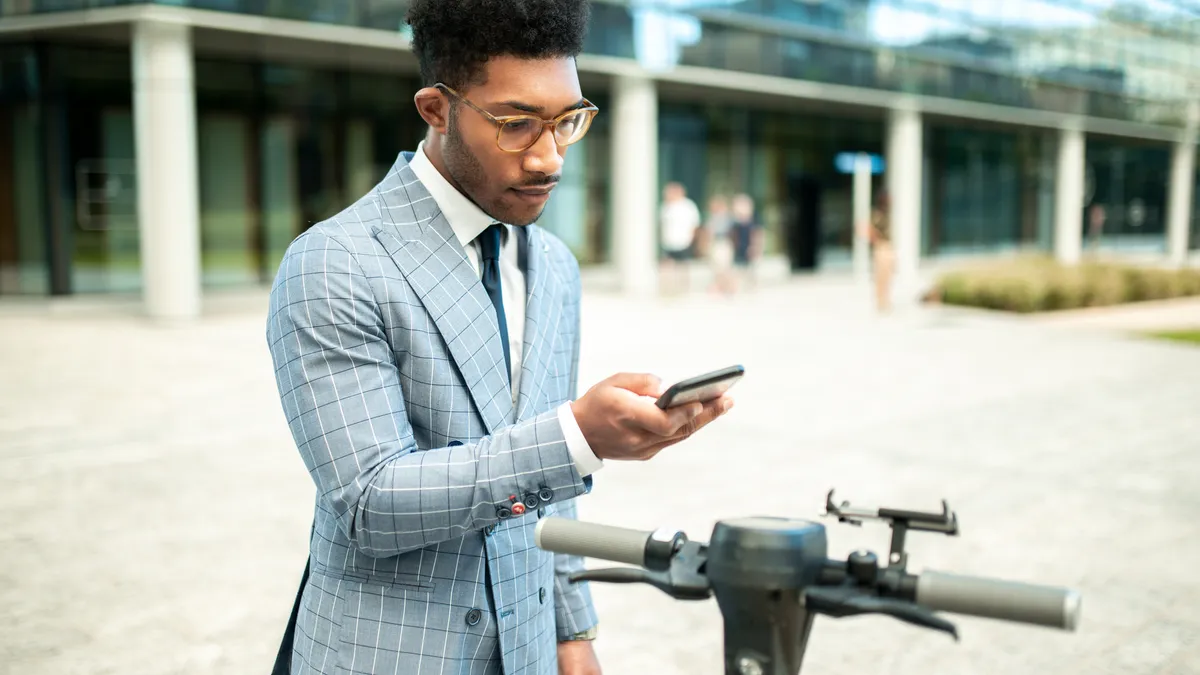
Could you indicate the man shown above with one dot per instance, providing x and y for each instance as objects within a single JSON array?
[
  {"x": 680, "y": 219},
  {"x": 426, "y": 347}
]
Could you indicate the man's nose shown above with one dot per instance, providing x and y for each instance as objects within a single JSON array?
[{"x": 543, "y": 156}]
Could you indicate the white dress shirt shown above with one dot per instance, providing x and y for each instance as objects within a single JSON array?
[{"x": 468, "y": 222}]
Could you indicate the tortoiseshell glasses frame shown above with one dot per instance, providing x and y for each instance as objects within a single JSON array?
[{"x": 518, "y": 133}]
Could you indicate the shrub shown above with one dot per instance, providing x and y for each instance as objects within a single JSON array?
[
  {"x": 1189, "y": 336},
  {"x": 1038, "y": 284}
]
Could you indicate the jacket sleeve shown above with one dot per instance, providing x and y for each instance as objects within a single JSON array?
[
  {"x": 340, "y": 389},
  {"x": 574, "y": 611}
]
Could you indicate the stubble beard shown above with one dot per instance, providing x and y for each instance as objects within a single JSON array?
[{"x": 468, "y": 172}]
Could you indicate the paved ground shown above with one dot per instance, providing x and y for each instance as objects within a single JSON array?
[
  {"x": 154, "y": 516},
  {"x": 1141, "y": 316}
]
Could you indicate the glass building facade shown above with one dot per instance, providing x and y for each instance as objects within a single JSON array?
[
  {"x": 1194, "y": 234},
  {"x": 1127, "y": 196},
  {"x": 1124, "y": 60},
  {"x": 283, "y": 142},
  {"x": 279, "y": 147},
  {"x": 987, "y": 190}
]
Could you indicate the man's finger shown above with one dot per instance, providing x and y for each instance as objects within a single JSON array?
[
  {"x": 699, "y": 415},
  {"x": 663, "y": 445},
  {"x": 681, "y": 415},
  {"x": 667, "y": 422},
  {"x": 642, "y": 384},
  {"x": 712, "y": 410}
]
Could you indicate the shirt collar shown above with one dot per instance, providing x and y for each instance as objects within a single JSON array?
[{"x": 466, "y": 219}]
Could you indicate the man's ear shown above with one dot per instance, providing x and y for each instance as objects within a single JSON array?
[{"x": 434, "y": 108}]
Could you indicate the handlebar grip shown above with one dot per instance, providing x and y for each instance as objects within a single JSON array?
[
  {"x": 996, "y": 599},
  {"x": 592, "y": 540}
]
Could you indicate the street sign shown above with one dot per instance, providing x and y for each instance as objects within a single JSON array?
[{"x": 844, "y": 161}]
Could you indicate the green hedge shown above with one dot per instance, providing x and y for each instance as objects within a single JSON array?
[
  {"x": 1192, "y": 336},
  {"x": 1039, "y": 284}
]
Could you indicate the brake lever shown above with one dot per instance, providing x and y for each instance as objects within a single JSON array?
[
  {"x": 671, "y": 584},
  {"x": 842, "y": 601},
  {"x": 614, "y": 575}
]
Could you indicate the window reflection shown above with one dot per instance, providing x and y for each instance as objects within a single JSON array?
[
  {"x": 304, "y": 143},
  {"x": 1194, "y": 235},
  {"x": 1131, "y": 60},
  {"x": 24, "y": 265},
  {"x": 1063, "y": 56},
  {"x": 988, "y": 190},
  {"x": 90, "y": 179},
  {"x": 786, "y": 162},
  {"x": 1126, "y": 196}
]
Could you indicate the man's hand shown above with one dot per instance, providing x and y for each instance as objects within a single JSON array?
[
  {"x": 577, "y": 657},
  {"x": 619, "y": 420}
]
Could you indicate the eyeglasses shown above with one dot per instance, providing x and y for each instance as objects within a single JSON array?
[{"x": 518, "y": 133}]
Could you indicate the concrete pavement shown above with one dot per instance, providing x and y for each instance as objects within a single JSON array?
[
  {"x": 1179, "y": 313},
  {"x": 155, "y": 513}
]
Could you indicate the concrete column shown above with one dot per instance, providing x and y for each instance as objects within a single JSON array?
[
  {"x": 1068, "y": 196},
  {"x": 904, "y": 164},
  {"x": 635, "y": 183},
  {"x": 1179, "y": 192},
  {"x": 164, "y": 113}
]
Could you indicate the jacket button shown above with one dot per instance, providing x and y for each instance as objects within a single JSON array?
[
  {"x": 452, "y": 444},
  {"x": 532, "y": 500},
  {"x": 542, "y": 595},
  {"x": 541, "y": 513},
  {"x": 473, "y": 617},
  {"x": 504, "y": 513},
  {"x": 489, "y": 530},
  {"x": 545, "y": 494}
]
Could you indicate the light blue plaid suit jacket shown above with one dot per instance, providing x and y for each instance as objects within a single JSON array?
[{"x": 389, "y": 367}]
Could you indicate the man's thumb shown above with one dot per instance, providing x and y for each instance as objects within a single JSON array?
[{"x": 642, "y": 384}]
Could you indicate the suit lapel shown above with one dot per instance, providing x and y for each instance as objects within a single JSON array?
[
  {"x": 420, "y": 241},
  {"x": 543, "y": 314}
]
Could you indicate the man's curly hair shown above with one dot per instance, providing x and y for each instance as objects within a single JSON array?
[{"x": 453, "y": 39}]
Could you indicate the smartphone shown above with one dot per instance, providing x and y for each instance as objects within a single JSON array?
[{"x": 702, "y": 388}]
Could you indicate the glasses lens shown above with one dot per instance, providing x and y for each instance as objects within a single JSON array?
[
  {"x": 572, "y": 127},
  {"x": 519, "y": 134}
]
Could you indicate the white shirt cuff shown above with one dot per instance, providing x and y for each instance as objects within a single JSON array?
[{"x": 585, "y": 460}]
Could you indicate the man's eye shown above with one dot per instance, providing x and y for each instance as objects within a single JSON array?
[{"x": 518, "y": 125}]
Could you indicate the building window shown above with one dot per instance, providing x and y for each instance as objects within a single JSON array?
[{"x": 1126, "y": 196}]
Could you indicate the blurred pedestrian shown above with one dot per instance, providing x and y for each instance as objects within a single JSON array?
[
  {"x": 680, "y": 218},
  {"x": 883, "y": 255},
  {"x": 747, "y": 237},
  {"x": 1096, "y": 218},
  {"x": 719, "y": 245}
]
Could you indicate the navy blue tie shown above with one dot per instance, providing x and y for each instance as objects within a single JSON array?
[{"x": 489, "y": 251}]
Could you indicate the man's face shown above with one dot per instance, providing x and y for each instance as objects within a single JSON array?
[{"x": 512, "y": 187}]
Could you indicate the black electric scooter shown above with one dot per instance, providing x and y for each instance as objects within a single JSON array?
[{"x": 771, "y": 577}]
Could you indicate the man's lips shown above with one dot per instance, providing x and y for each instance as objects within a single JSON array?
[{"x": 533, "y": 190}]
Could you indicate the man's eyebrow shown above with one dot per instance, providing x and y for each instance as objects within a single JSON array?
[{"x": 537, "y": 109}]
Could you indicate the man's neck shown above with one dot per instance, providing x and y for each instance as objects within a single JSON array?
[{"x": 433, "y": 150}]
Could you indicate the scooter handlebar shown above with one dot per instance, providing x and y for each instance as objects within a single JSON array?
[
  {"x": 996, "y": 599},
  {"x": 592, "y": 540},
  {"x": 938, "y": 591}
]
